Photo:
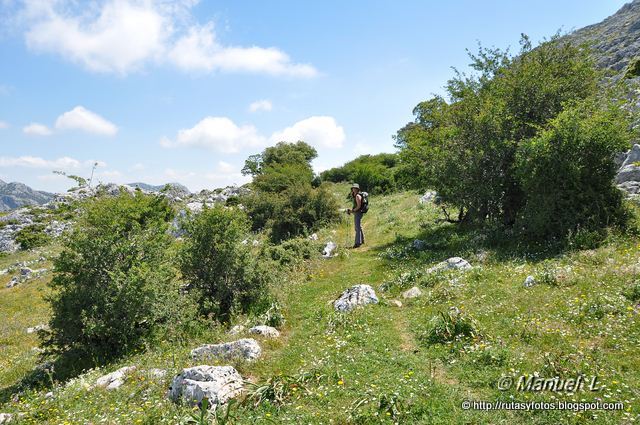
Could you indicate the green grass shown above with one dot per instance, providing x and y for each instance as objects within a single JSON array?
[{"x": 377, "y": 364}]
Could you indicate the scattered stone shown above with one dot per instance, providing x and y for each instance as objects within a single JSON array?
[
  {"x": 245, "y": 349},
  {"x": 529, "y": 281},
  {"x": 313, "y": 237},
  {"x": 355, "y": 296},
  {"x": 453, "y": 263},
  {"x": 267, "y": 331},
  {"x": 218, "y": 384},
  {"x": 237, "y": 329},
  {"x": 395, "y": 303},
  {"x": 37, "y": 328},
  {"x": 327, "y": 252},
  {"x": 454, "y": 311},
  {"x": 156, "y": 373},
  {"x": 5, "y": 418},
  {"x": 419, "y": 245},
  {"x": 428, "y": 197},
  {"x": 49, "y": 395},
  {"x": 15, "y": 281},
  {"x": 25, "y": 271},
  {"x": 114, "y": 380},
  {"x": 414, "y": 292}
]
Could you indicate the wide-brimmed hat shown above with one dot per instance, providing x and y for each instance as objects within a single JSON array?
[{"x": 355, "y": 186}]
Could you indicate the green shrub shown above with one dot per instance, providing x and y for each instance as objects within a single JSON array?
[
  {"x": 567, "y": 174},
  {"x": 633, "y": 292},
  {"x": 449, "y": 327},
  {"x": 220, "y": 269},
  {"x": 32, "y": 236},
  {"x": 292, "y": 251},
  {"x": 113, "y": 281},
  {"x": 297, "y": 211}
]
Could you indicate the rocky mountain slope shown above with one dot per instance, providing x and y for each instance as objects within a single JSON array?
[
  {"x": 14, "y": 195},
  {"x": 616, "y": 40}
]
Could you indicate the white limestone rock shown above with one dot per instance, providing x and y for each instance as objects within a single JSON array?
[
  {"x": 355, "y": 296},
  {"x": 267, "y": 331},
  {"x": 244, "y": 349},
  {"x": 414, "y": 292},
  {"x": 218, "y": 384},
  {"x": 114, "y": 380},
  {"x": 453, "y": 263}
]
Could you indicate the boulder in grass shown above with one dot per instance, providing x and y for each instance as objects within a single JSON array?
[
  {"x": 358, "y": 295},
  {"x": 218, "y": 384},
  {"x": 243, "y": 349},
  {"x": 327, "y": 252},
  {"x": 5, "y": 418},
  {"x": 414, "y": 292},
  {"x": 453, "y": 263},
  {"x": 114, "y": 380},
  {"x": 235, "y": 330},
  {"x": 267, "y": 331},
  {"x": 529, "y": 282}
]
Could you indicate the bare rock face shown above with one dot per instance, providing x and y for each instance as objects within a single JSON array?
[
  {"x": 218, "y": 384},
  {"x": 244, "y": 349},
  {"x": 114, "y": 380},
  {"x": 267, "y": 331},
  {"x": 358, "y": 295},
  {"x": 453, "y": 263}
]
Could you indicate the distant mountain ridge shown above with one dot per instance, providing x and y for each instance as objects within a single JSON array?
[{"x": 15, "y": 195}]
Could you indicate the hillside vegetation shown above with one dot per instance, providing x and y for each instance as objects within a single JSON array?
[{"x": 380, "y": 363}]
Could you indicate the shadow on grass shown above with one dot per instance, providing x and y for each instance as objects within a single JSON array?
[
  {"x": 47, "y": 373},
  {"x": 436, "y": 242}
]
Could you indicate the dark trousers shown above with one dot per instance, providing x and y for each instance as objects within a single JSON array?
[{"x": 357, "y": 220}]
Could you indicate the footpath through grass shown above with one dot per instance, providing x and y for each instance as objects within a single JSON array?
[{"x": 379, "y": 364}]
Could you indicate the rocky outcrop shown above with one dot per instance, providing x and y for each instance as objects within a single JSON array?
[
  {"x": 327, "y": 252},
  {"x": 628, "y": 175},
  {"x": 242, "y": 349},
  {"x": 218, "y": 384},
  {"x": 358, "y": 295}
]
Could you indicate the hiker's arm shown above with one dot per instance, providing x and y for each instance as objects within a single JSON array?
[{"x": 358, "y": 203}]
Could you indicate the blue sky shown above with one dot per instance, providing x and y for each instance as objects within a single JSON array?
[{"x": 182, "y": 90}]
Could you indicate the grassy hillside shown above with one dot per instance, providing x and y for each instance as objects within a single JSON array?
[{"x": 378, "y": 363}]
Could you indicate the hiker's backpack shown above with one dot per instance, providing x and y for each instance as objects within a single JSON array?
[{"x": 364, "y": 206}]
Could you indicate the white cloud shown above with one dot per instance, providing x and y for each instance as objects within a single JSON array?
[
  {"x": 217, "y": 133},
  {"x": 37, "y": 162},
  {"x": 121, "y": 36},
  {"x": 35, "y": 129},
  {"x": 319, "y": 131},
  {"x": 138, "y": 167},
  {"x": 3, "y": 125},
  {"x": 199, "y": 50},
  {"x": 261, "y": 105},
  {"x": 80, "y": 118},
  {"x": 226, "y": 168}
]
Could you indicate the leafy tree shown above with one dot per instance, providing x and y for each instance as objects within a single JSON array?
[
  {"x": 374, "y": 173},
  {"x": 218, "y": 267},
  {"x": 113, "y": 281},
  {"x": 285, "y": 199},
  {"x": 466, "y": 148}
]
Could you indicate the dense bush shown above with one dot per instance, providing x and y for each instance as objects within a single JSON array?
[
  {"x": 374, "y": 173},
  {"x": 284, "y": 200},
  {"x": 567, "y": 173},
  {"x": 292, "y": 251},
  {"x": 113, "y": 281},
  {"x": 225, "y": 277},
  {"x": 479, "y": 148},
  {"x": 32, "y": 236}
]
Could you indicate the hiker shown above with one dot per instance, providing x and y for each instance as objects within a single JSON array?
[{"x": 360, "y": 205}]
